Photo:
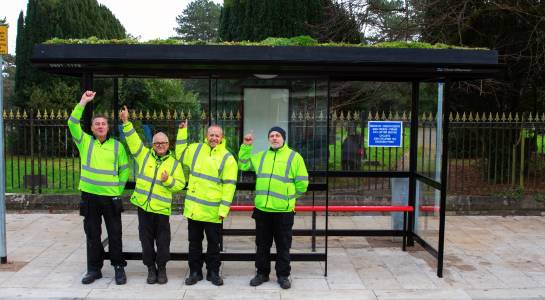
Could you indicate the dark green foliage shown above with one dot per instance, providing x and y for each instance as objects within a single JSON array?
[
  {"x": 62, "y": 19},
  {"x": 158, "y": 94},
  {"x": 199, "y": 21},
  {"x": 256, "y": 20},
  {"x": 338, "y": 25}
]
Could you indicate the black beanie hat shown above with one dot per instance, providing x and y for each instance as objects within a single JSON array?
[{"x": 279, "y": 130}]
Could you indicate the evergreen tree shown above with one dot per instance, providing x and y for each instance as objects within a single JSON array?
[
  {"x": 256, "y": 20},
  {"x": 46, "y": 19},
  {"x": 199, "y": 21}
]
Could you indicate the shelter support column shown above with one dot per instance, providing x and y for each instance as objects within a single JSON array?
[
  {"x": 87, "y": 84},
  {"x": 413, "y": 149},
  {"x": 444, "y": 179}
]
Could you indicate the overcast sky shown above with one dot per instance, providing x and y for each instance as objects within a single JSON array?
[{"x": 146, "y": 19}]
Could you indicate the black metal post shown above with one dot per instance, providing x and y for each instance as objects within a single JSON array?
[
  {"x": 313, "y": 226},
  {"x": 115, "y": 106},
  {"x": 404, "y": 246},
  {"x": 327, "y": 172},
  {"x": 210, "y": 101},
  {"x": 444, "y": 181},
  {"x": 87, "y": 84},
  {"x": 31, "y": 181},
  {"x": 413, "y": 160}
]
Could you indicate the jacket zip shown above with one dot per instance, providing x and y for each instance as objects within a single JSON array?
[
  {"x": 152, "y": 183},
  {"x": 270, "y": 177}
]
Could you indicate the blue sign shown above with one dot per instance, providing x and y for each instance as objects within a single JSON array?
[{"x": 384, "y": 133}]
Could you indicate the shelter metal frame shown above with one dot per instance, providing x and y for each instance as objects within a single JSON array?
[{"x": 330, "y": 63}]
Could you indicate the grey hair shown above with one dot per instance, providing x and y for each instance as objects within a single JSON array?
[
  {"x": 158, "y": 134},
  {"x": 214, "y": 126}
]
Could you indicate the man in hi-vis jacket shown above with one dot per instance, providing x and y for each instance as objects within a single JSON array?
[
  {"x": 281, "y": 177},
  {"x": 104, "y": 172},
  {"x": 159, "y": 175},
  {"x": 211, "y": 188}
]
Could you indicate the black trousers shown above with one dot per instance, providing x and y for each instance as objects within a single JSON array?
[
  {"x": 93, "y": 208},
  {"x": 196, "y": 231},
  {"x": 269, "y": 226},
  {"x": 154, "y": 230}
]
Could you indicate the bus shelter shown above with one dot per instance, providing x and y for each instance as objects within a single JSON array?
[{"x": 245, "y": 88}]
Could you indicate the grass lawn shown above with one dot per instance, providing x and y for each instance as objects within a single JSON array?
[{"x": 59, "y": 175}]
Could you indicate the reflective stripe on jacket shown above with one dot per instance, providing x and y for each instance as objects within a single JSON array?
[
  {"x": 104, "y": 166},
  {"x": 281, "y": 177},
  {"x": 212, "y": 179},
  {"x": 150, "y": 193}
]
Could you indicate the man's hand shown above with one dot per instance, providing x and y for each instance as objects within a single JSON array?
[
  {"x": 183, "y": 124},
  {"x": 249, "y": 138},
  {"x": 124, "y": 114},
  {"x": 164, "y": 176},
  {"x": 221, "y": 218},
  {"x": 87, "y": 97}
]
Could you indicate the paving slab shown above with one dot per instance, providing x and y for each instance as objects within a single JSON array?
[{"x": 485, "y": 258}]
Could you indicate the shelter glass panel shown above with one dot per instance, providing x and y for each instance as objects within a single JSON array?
[
  {"x": 354, "y": 104},
  {"x": 427, "y": 213},
  {"x": 430, "y": 126},
  {"x": 299, "y": 106}
]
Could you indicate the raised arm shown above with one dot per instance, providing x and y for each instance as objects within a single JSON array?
[
  {"x": 136, "y": 147},
  {"x": 74, "y": 122},
  {"x": 245, "y": 153},
  {"x": 181, "y": 141}
]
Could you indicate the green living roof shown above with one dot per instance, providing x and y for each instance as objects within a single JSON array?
[
  {"x": 272, "y": 41},
  {"x": 286, "y": 57}
]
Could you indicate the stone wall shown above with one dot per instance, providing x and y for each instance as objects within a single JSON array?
[{"x": 456, "y": 205}]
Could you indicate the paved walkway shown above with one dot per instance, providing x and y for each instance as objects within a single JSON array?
[{"x": 486, "y": 258}]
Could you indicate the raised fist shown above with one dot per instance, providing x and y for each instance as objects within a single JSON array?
[
  {"x": 249, "y": 138},
  {"x": 87, "y": 97},
  {"x": 124, "y": 114}
]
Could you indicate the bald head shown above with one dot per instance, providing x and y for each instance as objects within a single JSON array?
[{"x": 160, "y": 143}]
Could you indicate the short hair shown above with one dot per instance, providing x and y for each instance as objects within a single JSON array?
[
  {"x": 158, "y": 134},
  {"x": 215, "y": 126},
  {"x": 99, "y": 116}
]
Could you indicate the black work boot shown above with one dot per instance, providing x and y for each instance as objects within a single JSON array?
[
  {"x": 259, "y": 279},
  {"x": 162, "y": 274},
  {"x": 214, "y": 277},
  {"x": 120, "y": 277},
  {"x": 152, "y": 275},
  {"x": 193, "y": 278},
  {"x": 91, "y": 276},
  {"x": 284, "y": 282}
]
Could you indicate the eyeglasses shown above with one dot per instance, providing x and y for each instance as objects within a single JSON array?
[{"x": 160, "y": 143}]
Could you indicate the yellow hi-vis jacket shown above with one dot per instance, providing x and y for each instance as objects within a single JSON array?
[
  {"x": 104, "y": 166},
  {"x": 150, "y": 193},
  {"x": 281, "y": 177},
  {"x": 212, "y": 179}
]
